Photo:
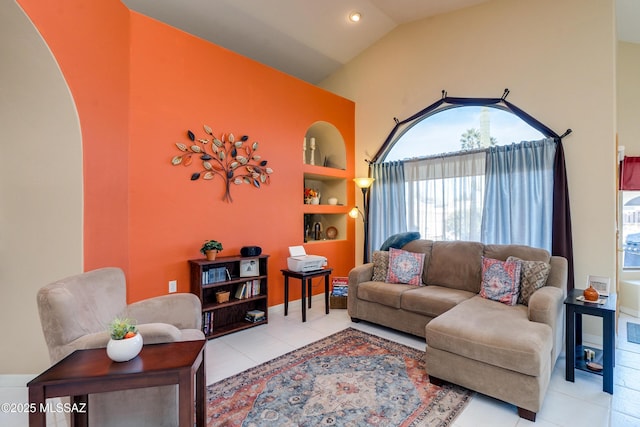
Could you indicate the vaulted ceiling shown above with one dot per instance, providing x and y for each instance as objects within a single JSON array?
[{"x": 311, "y": 39}]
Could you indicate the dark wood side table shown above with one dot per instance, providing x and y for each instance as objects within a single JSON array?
[
  {"x": 574, "y": 347},
  {"x": 305, "y": 281},
  {"x": 91, "y": 371}
]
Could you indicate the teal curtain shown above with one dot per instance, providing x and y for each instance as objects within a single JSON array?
[
  {"x": 387, "y": 207},
  {"x": 518, "y": 206}
]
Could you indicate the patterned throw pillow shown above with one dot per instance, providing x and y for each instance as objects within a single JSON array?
[
  {"x": 533, "y": 276},
  {"x": 500, "y": 280},
  {"x": 380, "y": 266},
  {"x": 405, "y": 267}
]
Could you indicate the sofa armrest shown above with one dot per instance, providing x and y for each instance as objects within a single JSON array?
[
  {"x": 545, "y": 305},
  {"x": 357, "y": 275},
  {"x": 361, "y": 273},
  {"x": 182, "y": 310}
]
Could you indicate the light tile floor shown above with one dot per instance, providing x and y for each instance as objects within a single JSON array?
[{"x": 582, "y": 403}]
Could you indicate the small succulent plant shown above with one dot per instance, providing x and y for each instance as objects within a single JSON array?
[{"x": 122, "y": 328}]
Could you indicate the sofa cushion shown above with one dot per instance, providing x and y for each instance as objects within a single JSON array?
[
  {"x": 533, "y": 276},
  {"x": 456, "y": 265},
  {"x": 405, "y": 267},
  {"x": 397, "y": 241},
  {"x": 500, "y": 280},
  {"x": 502, "y": 252},
  {"x": 432, "y": 300},
  {"x": 380, "y": 261},
  {"x": 499, "y": 335},
  {"x": 382, "y": 293}
]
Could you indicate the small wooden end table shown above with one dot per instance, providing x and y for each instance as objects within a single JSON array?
[
  {"x": 574, "y": 347},
  {"x": 305, "y": 281},
  {"x": 91, "y": 371}
]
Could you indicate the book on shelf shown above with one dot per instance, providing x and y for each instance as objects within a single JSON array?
[
  {"x": 215, "y": 275},
  {"x": 339, "y": 286},
  {"x": 207, "y": 322},
  {"x": 241, "y": 291},
  {"x": 250, "y": 288}
]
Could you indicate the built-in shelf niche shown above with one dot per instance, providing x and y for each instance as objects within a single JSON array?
[
  {"x": 329, "y": 150},
  {"x": 339, "y": 221}
]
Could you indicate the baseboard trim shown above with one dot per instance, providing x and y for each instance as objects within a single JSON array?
[{"x": 15, "y": 380}]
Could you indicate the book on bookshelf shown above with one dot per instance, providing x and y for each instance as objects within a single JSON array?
[
  {"x": 241, "y": 291},
  {"x": 214, "y": 275}
]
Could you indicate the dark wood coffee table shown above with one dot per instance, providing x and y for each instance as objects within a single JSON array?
[{"x": 90, "y": 371}]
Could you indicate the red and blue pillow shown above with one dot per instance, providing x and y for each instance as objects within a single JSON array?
[
  {"x": 500, "y": 280},
  {"x": 405, "y": 267}
]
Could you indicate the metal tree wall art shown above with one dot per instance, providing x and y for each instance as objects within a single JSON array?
[{"x": 227, "y": 157}]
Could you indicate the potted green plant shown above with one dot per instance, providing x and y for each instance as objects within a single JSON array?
[
  {"x": 210, "y": 249},
  {"x": 125, "y": 342}
]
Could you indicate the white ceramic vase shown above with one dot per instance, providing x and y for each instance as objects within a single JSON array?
[
  {"x": 125, "y": 349},
  {"x": 315, "y": 200}
]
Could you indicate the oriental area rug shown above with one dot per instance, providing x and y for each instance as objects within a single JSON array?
[{"x": 350, "y": 378}]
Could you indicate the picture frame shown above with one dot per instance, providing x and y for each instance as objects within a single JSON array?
[
  {"x": 249, "y": 267},
  {"x": 601, "y": 284}
]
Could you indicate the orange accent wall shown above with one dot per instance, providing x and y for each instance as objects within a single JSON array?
[{"x": 154, "y": 82}]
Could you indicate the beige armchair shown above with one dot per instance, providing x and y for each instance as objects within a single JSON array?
[{"x": 75, "y": 312}]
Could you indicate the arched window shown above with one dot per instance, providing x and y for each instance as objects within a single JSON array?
[
  {"x": 468, "y": 176},
  {"x": 459, "y": 129}
]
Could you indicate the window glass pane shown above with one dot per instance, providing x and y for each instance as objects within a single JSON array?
[
  {"x": 631, "y": 229},
  {"x": 461, "y": 128}
]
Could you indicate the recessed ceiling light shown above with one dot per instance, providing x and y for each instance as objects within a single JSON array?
[{"x": 354, "y": 16}]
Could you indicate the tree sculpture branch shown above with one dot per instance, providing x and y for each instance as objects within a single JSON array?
[{"x": 226, "y": 157}]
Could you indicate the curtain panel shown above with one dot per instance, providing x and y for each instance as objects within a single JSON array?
[
  {"x": 387, "y": 214},
  {"x": 630, "y": 171},
  {"x": 518, "y": 207},
  {"x": 444, "y": 196}
]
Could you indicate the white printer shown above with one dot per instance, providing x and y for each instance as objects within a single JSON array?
[{"x": 300, "y": 262}]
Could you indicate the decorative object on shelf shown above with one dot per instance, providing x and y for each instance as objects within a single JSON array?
[
  {"x": 312, "y": 146},
  {"x": 250, "y": 251},
  {"x": 125, "y": 342},
  {"x": 590, "y": 294},
  {"x": 249, "y": 268},
  {"x": 317, "y": 231},
  {"x": 210, "y": 249},
  {"x": 331, "y": 233},
  {"x": 311, "y": 196},
  {"x": 226, "y": 157},
  {"x": 600, "y": 284},
  {"x": 222, "y": 296},
  {"x": 364, "y": 184},
  {"x": 332, "y": 201},
  {"x": 304, "y": 150}
]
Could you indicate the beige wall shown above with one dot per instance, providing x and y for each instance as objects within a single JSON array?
[
  {"x": 628, "y": 97},
  {"x": 40, "y": 187},
  {"x": 628, "y": 103},
  {"x": 558, "y": 60}
]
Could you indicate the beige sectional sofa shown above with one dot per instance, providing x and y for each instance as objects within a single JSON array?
[{"x": 507, "y": 352}]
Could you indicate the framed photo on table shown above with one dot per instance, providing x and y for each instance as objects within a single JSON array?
[
  {"x": 600, "y": 283},
  {"x": 249, "y": 267}
]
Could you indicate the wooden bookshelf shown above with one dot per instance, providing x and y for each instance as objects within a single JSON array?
[{"x": 230, "y": 274}]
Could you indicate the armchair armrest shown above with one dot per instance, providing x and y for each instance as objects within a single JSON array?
[
  {"x": 95, "y": 340},
  {"x": 181, "y": 310}
]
